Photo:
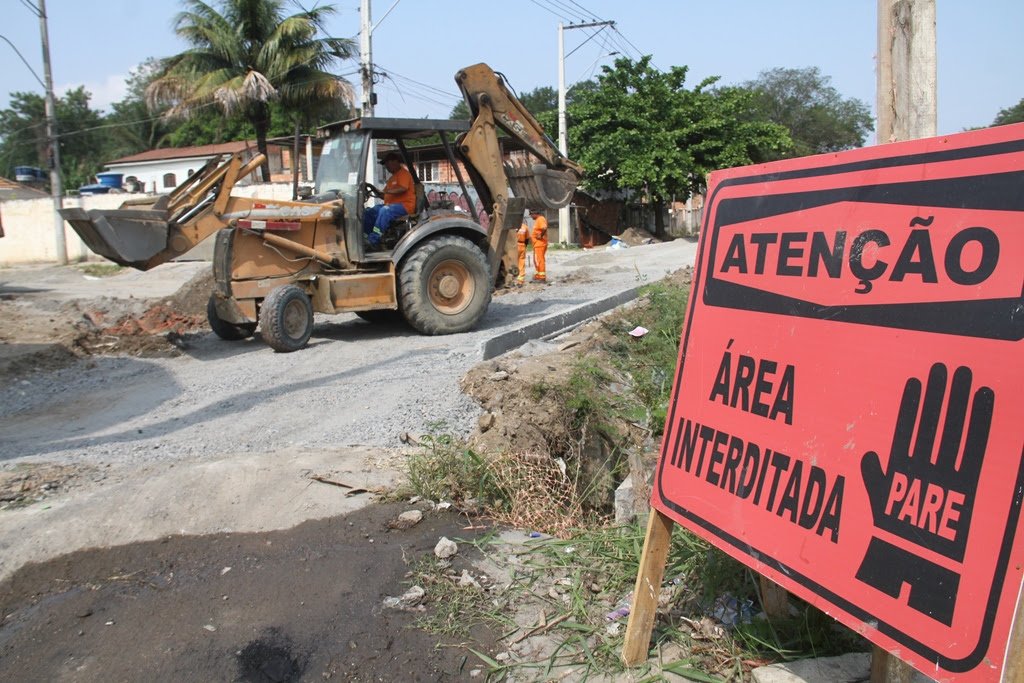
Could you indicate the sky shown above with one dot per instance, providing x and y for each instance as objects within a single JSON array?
[{"x": 418, "y": 45}]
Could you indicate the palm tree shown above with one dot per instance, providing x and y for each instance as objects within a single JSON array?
[{"x": 247, "y": 54}]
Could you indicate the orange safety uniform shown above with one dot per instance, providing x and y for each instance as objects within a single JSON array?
[
  {"x": 540, "y": 246},
  {"x": 521, "y": 237},
  {"x": 401, "y": 178}
]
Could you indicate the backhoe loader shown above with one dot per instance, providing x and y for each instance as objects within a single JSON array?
[{"x": 276, "y": 263}]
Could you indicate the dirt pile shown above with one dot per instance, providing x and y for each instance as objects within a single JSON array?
[
  {"x": 34, "y": 338},
  {"x": 637, "y": 236},
  {"x": 521, "y": 416},
  {"x": 28, "y": 483},
  {"x": 570, "y": 401},
  {"x": 538, "y": 407}
]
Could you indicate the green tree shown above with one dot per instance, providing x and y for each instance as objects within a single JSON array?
[
  {"x": 641, "y": 129},
  {"x": 818, "y": 118},
  {"x": 247, "y": 55},
  {"x": 80, "y": 135},
  {"x": 1014, "y": 114}
]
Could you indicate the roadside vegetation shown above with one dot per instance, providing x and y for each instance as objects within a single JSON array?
[{"x": 561, "y": 602}]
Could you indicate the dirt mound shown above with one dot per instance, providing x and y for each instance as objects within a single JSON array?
[
  {"x": 32, "y": 338},
  {"x": 637, "y": 236},
  {"x": 27, "y": 483},
  {"x": 581, "y": 276},
  {"x": 536, "y": 410}
]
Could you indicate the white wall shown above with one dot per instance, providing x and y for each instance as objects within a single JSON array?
[
  {"x": 151, "y": 173},
  {"x": 30, "y": 235}
]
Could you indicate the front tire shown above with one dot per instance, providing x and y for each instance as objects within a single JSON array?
[
  {"x": 286, "y": 319},
  {"x": 227, "y": 331},
  {"x": 444, "y": 285}
]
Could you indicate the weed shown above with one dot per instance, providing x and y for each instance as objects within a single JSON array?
[
  {"x": 445, "y": 469},
  {"x": 455, "y": 610},
  {"x": 581, "y": 578},
  {"x": 538, "y": 390}
]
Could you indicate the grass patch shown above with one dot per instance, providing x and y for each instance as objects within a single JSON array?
[
  {"x": 454, "y": 611},
  {"x": 515, "y": 489},
  {"x": 100, "y": 269},
  {"x": 445, "y": 469},
  {"x": 650, "y": 360},
  {"x": 583, "y": 578}
]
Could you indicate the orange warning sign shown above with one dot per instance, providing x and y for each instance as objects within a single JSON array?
[{"x": 846, "y": 412}]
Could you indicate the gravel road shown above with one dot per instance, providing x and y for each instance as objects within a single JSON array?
[{"x": 357, "y": 384}]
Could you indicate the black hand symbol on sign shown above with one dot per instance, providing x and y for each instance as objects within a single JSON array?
[{"x": 926, "y": 497}]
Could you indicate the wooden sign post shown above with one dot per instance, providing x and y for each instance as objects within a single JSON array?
[{"x": 846, "y": 411}]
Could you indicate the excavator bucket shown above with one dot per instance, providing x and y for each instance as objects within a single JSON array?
[
  {"x": 129, "y": 237},
  {"x": 139, "y": 233},
  {"x": 540, "y": 185}
]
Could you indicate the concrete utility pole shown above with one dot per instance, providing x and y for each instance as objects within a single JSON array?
[
  {"x": 563, "y": 133},
  {"x": 369, "y": 98},
  {"x": 906, "y": 70},
  {"x": 56, "y": 187}
]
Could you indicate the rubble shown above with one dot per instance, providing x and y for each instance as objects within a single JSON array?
[{"x": 445, "y": 548}]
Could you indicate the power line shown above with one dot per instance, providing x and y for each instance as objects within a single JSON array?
[
  {"x": 32, "y": 8},
  {"x": 547, "y": 9},
  {"x": 590, "y": 15},
  {"x": 567, "y": 9}
]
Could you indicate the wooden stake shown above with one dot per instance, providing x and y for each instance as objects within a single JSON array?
[
  {"x": 774, "y": 598},
  {"x": 1013, "y": 667},
  {"x": 887, "y": 668},
  {"x": 648, "y": 585}
]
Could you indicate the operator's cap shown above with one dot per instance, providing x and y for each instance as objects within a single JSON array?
[
  {"x": 535, "y": 211},
  {"x": 391, "y": 155}
]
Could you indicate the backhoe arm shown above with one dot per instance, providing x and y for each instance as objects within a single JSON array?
[
  {"x": 143, "y": 234},
  {"x": 548, "y": 184}
]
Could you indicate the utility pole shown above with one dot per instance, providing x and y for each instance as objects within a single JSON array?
[
  {"x": 53, "y": 146},
  {"x": 906, "y": 70},
  {"x": 369, "y": 98},
  {"x": 906, "y": 102},
  {"x": 563, "y": 134}
]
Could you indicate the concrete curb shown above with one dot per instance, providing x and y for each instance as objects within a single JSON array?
[{"x": 506, "y": 341}]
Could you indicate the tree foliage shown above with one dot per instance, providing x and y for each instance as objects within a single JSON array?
[
  {"x": 641, "y": 129},
  {"x": 1014, "y": 114},
  {"x": 818, "y": 118},
  {"x": 249, "y": 54},
  {"x": 23, "y": 139}
]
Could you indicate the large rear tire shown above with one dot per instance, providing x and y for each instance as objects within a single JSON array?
[
  {"x": 444, "y": 285},
  {"x": 227, "y": 331},
  {"x": 286, "y": 319}
]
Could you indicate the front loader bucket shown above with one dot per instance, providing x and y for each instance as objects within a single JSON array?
[
  {"x": 129, "y": 237},
  {"x": 542, "y": 186}
]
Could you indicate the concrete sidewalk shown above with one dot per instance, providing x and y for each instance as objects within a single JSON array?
[{"x": 68, "y": 283}]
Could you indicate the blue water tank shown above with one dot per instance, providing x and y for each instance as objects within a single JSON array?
[
  {"x": 94, "y": 189},
  {"x": 28, "y": 174},
  {"x": 110, "y": 179}
]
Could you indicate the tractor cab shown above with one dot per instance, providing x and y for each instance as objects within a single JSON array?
[{"x": 350, "y": 168}]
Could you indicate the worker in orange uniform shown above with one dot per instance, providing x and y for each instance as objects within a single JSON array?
[
  {"x": 521, "y": 238},
  {"x": 540, "y": 244},
  {"x": 399, "y": 196}
]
